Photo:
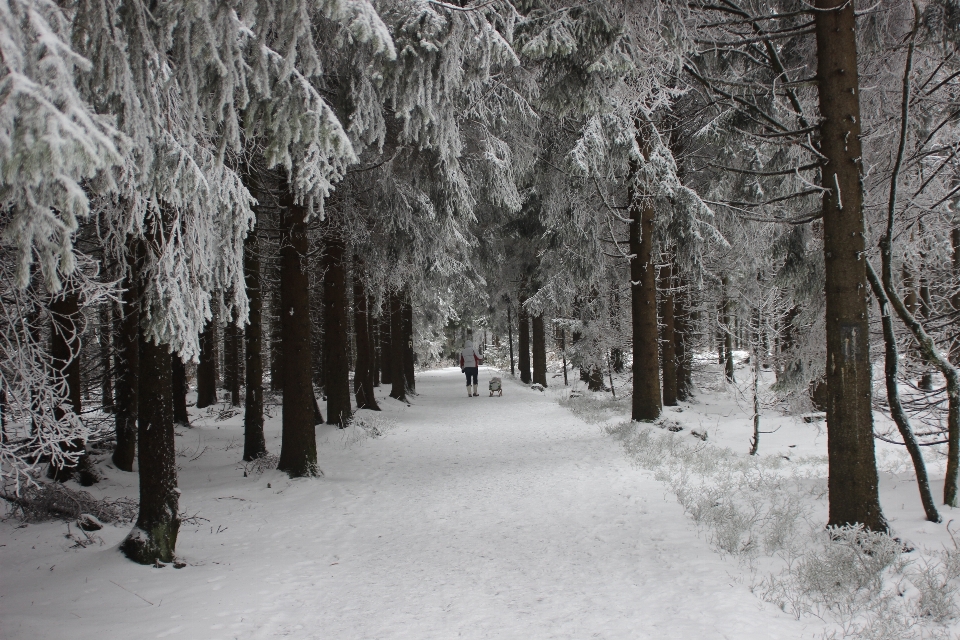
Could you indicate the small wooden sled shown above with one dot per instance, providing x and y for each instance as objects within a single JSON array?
[{"x": 495, "y": 387}]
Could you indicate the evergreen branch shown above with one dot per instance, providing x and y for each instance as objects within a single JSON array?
[
  {"x": 802, "y": 30},
  {"x": 782, "y": 172}
]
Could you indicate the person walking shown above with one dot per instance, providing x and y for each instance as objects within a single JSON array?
[{"x": 469, "y": 364}]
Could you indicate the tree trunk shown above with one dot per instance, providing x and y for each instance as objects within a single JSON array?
[
  {"x": 65, "y": 329},
  {"x": 643, "y": 298},
  {"x": 386, "y": 348},
  {"x": 128, "y": 362},
  {"x": 178, "y": 383},
  {"x": 207, "y": 368},
  {"x": 154, "y": 536},
  {"x": 233, "y": 360},
  {"x": 524, "y": 344},
  {"x": 513, "y": 371},
  {"x": 728, "y": 329},
  {"x": 955, "y": 298},
  {"x": 563, "y": 354},
  {"x": 682, "y": 327},
  {"x": 668, "y": 340},
  {"x": 397, "y": 387},
  {"x": 409, "y": 357},
  {"x": 106, "y": 352},
  {"x": 363, "y": 372},
  {"x": 891, "y": 364},
  {"x": 852, "y": 481},
  {"x": 335, "y": 338},
  {"x": 276, "y": 342},
  {"x": 539, "y": 351},
  {"x": 254, "y": 443},
  {"x": 374, "y": 345},
  {"x": 298, "y": 451}
]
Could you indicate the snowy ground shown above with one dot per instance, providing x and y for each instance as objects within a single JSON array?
[{"x": 470, "y": 517}]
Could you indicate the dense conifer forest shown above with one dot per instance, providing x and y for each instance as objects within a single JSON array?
[{"x": 294, "y": 204}]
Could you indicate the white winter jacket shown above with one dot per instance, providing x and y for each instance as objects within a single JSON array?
[{"x": 469, "y": 357}]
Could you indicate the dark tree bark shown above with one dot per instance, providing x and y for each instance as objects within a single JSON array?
[
  {"x": 233, "y": 360},
  {"x": 154, "y": 536},
  {"x": 643, "y": 299},
  {"x": 510, "y": 340},
  {"x": 179, "y": 389},
  {"x": 276, "y": 342},
  {"x": 128, "y": 362},
  {"x": 539, "y": 351},
  {"x": 409, "y": 357},
  {"x": 728, "y": 330},
  {"x": 207, "y": 368},
  {"x": 563, "y": 354},
  {"x": 298, "y": 451},
  {"x": 335, "y": 336},
  {"x": 852, "y": 482},
  {"x": 681, "y": 341},
  {"x": 363, "y": 372},
  {"x": 891, "y": 358},
  {"x": 373, "y": 329},
  {"x": 668, "y": 340},
  {"x": 106, "y": 353},
  {"x": 523, "y": 358},
  {"x": 65, "y": 329},
  {"x": 397, "y": 387},
  {"x": 955, "y": 298},
  {"x": 386, "y": 348},
  {"x": 254, "y": 443}
]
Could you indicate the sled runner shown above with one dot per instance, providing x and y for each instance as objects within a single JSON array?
[{"x": 495, "y": 387}]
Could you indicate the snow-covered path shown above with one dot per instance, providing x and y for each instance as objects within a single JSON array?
[{"x": 473, "y": 517}]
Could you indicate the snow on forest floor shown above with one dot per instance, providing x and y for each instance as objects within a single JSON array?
[
  {"x": 767, "y": 512},
  {"x": 465, "y": 517}
]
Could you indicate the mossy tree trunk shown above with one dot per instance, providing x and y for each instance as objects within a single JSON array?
[{"x": 154, "y": 536}]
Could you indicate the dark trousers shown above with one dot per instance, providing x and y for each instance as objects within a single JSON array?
[{"x": 471, "y": 374}]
